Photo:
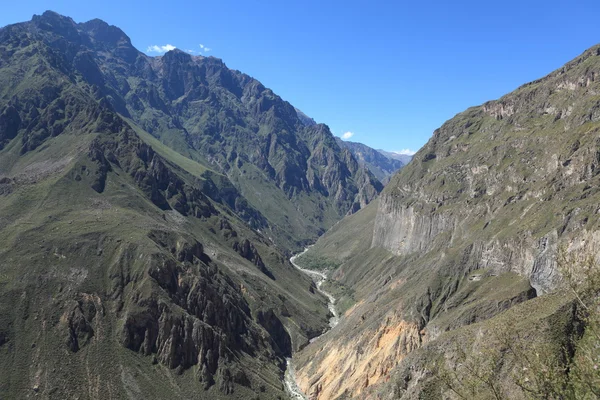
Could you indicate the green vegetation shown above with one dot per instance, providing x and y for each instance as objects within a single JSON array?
[
  {"x": 316, "y": 263},
  {"x": 556, "y": 367},
  {"x": 189, "y": 165},
  {"x": 344, "y": 296}
]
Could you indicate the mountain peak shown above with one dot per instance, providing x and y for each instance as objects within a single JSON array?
[
  {"x": 53, "y": 18},
  {"x": 177, "y": 54},
  {"x": 53, "y": 15},
  {"x": 104, "y": 32},
  {"x": 55, "y": 22}
]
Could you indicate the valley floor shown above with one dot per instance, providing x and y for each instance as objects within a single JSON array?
[{"x": 291, "y": 386}]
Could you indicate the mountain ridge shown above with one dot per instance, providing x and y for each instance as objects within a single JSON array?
[
  {"x": 176, "y": 96},
  {"x": 464, "y": 239}
]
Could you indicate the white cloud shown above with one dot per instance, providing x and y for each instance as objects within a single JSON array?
[
  {"x": 405, "y": 152},
  {"x": 204, "y": 48},
  {"x": 191, "y": 51},
  {"x": 347, "y": 135},
  {"x": 160, "y": 49}
]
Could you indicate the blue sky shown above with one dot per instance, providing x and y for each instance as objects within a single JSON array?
[{"x": 390, "y": 72}]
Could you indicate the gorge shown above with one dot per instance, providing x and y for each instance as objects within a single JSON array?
[{"x": 150, "y": 208}]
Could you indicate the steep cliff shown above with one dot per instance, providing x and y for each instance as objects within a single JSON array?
[{"x": 470, "y": 228}]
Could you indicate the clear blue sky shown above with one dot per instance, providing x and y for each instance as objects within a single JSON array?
[{"x": 389, "y": 71}]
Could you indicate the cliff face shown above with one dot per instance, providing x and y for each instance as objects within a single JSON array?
[
  {"x": 402, "y": 231},
  {"x": 349, "y": 367},
  {"x": 524, "y": 166},
  {"x": 470, "y": 228}
]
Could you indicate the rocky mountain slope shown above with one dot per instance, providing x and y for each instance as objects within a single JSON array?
[
  {"x": 382, "y": 165},
  {"x": 458, "y": 261},
  {"x": 148, "y": 207},
  {"x": 295, "y": 175}
]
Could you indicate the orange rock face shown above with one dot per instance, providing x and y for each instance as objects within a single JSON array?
[{"x": 351, "y": 366}]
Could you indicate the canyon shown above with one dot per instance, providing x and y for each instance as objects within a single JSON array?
[{"x": 150, "y": 208}]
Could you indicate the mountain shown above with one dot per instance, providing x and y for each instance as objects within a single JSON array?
[
  {"x": 379, "y": 163},
  {"x": 459, "y": 281},
  {"x": 295, "y": 176},
  {"x": 148, "y": 209},
  {"x": 404, "y": 158}
]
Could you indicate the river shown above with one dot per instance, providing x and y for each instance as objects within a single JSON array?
[{"x": 291, "y": 386}]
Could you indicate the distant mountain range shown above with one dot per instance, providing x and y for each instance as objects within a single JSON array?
[
  {"x": 382, "y": 164},
  {"x": 404, "y": 158}
]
